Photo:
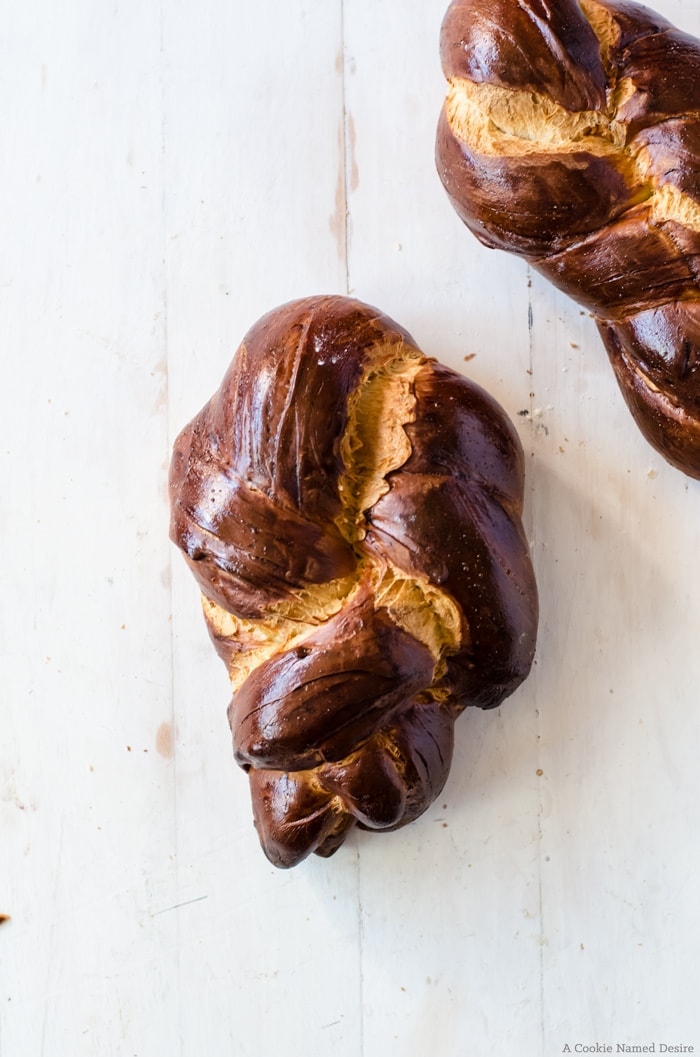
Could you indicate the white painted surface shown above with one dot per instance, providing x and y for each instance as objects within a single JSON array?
[{"x": 168, "y": 173}]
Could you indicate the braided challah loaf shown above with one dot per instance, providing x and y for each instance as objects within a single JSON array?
[
  {"x": 571, "y": 136},
  {"x": 351, "y": 511}
]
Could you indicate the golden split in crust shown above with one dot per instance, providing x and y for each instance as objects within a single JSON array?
[
  {"x": 351, "y": 511},
  {"x": 570, "y": 135}
]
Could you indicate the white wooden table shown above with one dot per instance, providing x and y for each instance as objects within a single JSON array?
[{"x": 170, "y": 171}]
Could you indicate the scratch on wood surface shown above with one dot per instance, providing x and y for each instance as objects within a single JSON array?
[
  {"x": 338, "y": 218},
  {"x": 351, "y": 164},
  {"x": 347, "y": 172},
  {"x": 177, "y": 906}
]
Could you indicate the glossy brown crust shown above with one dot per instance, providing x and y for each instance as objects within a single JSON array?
[
  {"x": 544, "y": 47},
  {"x": 351, "y": 724},
  {"x": 590, "y": 219}
]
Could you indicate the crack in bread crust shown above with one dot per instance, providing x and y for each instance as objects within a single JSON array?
[
  {"x": 414, "y": 604},
  {"x": 500, "y": 122},
  {"x": 603, "y": 25},
  {"x": 375, "y": 441}
]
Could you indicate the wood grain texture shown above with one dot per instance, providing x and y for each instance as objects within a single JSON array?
[{"x": 168, "y": 173}]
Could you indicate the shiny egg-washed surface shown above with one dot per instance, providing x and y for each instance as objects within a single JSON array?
[
  {"x": 571, "y": 136},
  {"x": 351, "y": 511}
]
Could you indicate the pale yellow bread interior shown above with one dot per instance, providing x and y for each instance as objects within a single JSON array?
[{"x": 603, "y": 25}]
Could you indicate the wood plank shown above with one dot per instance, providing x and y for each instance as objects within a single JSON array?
[
  {"x": 450, "y": 905},
  {"x": 617, "y": 544},
  {"x": 254, "y": 196},
  {"x": 86, "y": 798}
]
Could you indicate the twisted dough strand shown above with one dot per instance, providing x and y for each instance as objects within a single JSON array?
[{"x": 570, "y": 135}]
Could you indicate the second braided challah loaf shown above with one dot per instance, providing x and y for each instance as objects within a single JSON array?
[
  {"x": 571, "y": 136},
  {"x": 351, "y": 511}
]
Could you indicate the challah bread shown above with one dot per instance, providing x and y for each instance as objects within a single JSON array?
[
  {"x": 571, "y": 136},
  {"x": 351, "y": 511}
]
